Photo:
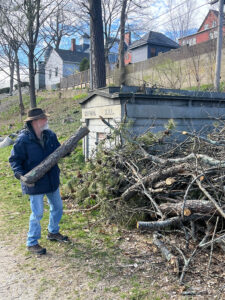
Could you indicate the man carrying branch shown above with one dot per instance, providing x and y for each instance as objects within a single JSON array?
[{"x": 33, "y": 145}]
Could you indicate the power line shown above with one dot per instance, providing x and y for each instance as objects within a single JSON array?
[
  {"x": 160, "y": 24},
  {"x": 178, "y": 17},
  {"x": 169, "y": 11}
]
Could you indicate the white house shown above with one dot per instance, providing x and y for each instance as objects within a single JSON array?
[{"x": 62, "y": 63}]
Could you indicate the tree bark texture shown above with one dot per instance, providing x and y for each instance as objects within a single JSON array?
[
  {"x": 175, "y": 221},
  {"x": 121, "y": 45},
  {"x": 11, "y": 67},
  {"x": 172, "y": 259},
  {"x": 33, "y": 103},
  {"x": 19, "y": 84},
  {"x": 150, "y": 179},
  {"x": 98, "y": 43},
  {"x": 194, "y": 206},
  {"x": 32, "y": 14},
  {"x": 36, "y": 173}
]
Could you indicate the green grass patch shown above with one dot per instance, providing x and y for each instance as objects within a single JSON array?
[
  {"x": 95, "y": 246},
  {"x": 207, "y": 87},
  {"x": 80, "y": 96}
]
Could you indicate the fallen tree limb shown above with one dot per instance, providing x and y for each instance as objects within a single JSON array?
[
  {"x": 145, "y": 192},
  {"x": 191, "y": 207},
  {"x": 172, "y": 259},
  {"x": 220, "y": 210},
  {"x": 204, "y": 158},
  {"x": 36, "y": 173},
  {"x": 157, "y": 225},
  {"x": 88, "y": 209},
  {"x": 150, "y": 179},
  {"x": 215, "y": 143},
  {"x": 203, "y": 245}
]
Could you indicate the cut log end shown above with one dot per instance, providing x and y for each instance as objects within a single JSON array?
[{"x": 187, "y": 212}]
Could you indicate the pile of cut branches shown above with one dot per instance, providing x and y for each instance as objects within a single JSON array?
[{"x": 161, "y": 186}]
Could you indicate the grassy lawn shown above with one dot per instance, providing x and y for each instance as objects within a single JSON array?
[{"x": 95, "y": 257}]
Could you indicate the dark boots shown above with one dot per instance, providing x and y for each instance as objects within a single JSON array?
[
  {"x": 36, "y": 249},
  {"x": 57, "y": 237}
]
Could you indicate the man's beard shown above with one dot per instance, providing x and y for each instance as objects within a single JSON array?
[{"x": 45, "y": 127}]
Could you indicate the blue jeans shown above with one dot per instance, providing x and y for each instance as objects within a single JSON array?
[{"x": 37, "y": 208}]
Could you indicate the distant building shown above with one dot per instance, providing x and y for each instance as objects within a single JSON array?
[
  {"x": 60, "y": 63},
  {"x": 150, "y": 45},
  {"x": 207, "y": 31}
]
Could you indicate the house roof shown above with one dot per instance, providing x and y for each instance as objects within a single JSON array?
[
  {"x": 71, "y": 56},
  {"x": 216, "y": 13},
  {"x": 131, "y": 92},
  {"x": 155, "y": 38}
]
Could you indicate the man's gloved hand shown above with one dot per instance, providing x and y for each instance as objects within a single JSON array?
[
  {"x": 18, "y": 175},
  {"x": 23, "y": 180}
]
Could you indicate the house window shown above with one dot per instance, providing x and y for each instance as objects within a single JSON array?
[
  {"x": 206, "y": 26},
  {"x": 153, "y": 52},
  {"x": 214, "y": 24},
  {"x": 50, "y": 74},
  {"x": 56, "y": 72},
  {"x": 213, "y": 35},
  {"x": 192, "y": 41}
]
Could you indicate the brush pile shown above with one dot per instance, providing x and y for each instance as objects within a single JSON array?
[{"x": 160, "y": 186}]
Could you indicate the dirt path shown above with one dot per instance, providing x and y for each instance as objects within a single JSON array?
[
  {"x": 38, "y": 277},
  {"x": 13, "y": 283},
  {"x": 65, "y": 276}
]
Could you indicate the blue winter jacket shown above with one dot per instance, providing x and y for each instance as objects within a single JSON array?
[{"x": 28, "y": 152}]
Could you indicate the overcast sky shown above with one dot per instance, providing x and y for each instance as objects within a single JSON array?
[{"x": 160, "y": 24}]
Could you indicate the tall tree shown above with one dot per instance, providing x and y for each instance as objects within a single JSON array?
[
  {"x": 182, "y": 17},
  {"x": 13, "y": 45},
  {"x": 7, "y": 54},
  {"x": 7, "y": 58},
  {"x": 97, "y": 43},
  {"x": 10, "y": 45},
  {"x": 32, "y": 14},
  {"x": 121, "y": 46},
  {"x": 62, "y": 22},
  {"x": 110, "y": 15}
]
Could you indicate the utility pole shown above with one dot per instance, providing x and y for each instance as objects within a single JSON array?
[
  {"x": 91, "y": 63},
  {"x": 219, "y": 45}
]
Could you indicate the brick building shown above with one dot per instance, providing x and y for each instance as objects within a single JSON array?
[{"x": 207, "y": 31}]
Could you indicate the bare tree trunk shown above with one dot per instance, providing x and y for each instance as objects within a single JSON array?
[
  {"x": 121, "y": 46},
  {"x": 98, "y": 43},
  {"x": 57, "y": 43},
  {"x": 19, "y": 84},
  {"x": 31, "y": 80},
  {"x": 32, "y": 9},
  {"x": 12, "y": 68}
]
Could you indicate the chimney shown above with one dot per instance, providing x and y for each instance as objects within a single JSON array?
[
  {"x": 127, "y": 38},
  {"x": 73, "y": 45}
]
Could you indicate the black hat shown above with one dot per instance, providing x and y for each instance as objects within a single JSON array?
[{"x": 35, "y": 114}]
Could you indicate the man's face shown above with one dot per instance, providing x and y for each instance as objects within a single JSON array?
[{"x": 41, "y": 123}]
